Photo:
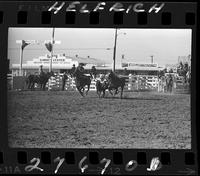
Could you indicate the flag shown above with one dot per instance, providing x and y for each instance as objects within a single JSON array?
[
  {"x": 24, "y": 44},
  {"x": 49, "y": 46}
]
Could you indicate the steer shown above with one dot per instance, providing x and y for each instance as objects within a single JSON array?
[{"x": 101, "y": 87}]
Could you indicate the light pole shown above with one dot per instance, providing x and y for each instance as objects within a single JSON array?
[{"x": 115, "y": 45}]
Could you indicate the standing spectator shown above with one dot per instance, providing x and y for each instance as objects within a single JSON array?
[
  {"x": 64, "y": 78},
  {"x": 41, "y": 72},
  {"x": 125, "y": 71}
]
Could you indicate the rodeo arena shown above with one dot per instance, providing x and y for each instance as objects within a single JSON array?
[{"x": 63, "y": 101}]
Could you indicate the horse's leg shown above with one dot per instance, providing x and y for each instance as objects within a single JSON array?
[
  {"x": 99, "y": 93},
  {"x": 41, "y": 86},
  {"x": 122, "y": 88},
  {"x": 88, "y": 89},
  {"x": 79, "y": 89},
  {"x": 110, "y": 91},
  {"x": 116, "y": 91},
  {"x": 103, "y": 93},
  {"x": 83, "y": 90},
  {"x": 28, "y": 85},
  {"x": 44, "y": 85},
  {"x": 32, "y": 86}
]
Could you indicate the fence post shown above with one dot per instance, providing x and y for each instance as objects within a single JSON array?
[{"x": 130, "y": 82}]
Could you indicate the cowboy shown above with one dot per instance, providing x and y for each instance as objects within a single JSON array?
[
  {"x": 72, "y": 69},
  {"x": 80, "y": 69},
  {"x": 94, "y": 71}
]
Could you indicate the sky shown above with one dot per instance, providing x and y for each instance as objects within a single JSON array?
[{"x": 137, "y": 45}]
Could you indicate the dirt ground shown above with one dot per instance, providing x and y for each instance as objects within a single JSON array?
[{"x": 63, "y": 119}]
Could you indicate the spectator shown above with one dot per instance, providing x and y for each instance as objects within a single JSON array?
[
  {"x": 41, "y": 70},
  {"x": 125, "y": 71},
  {"x": 64, "y": 78}
]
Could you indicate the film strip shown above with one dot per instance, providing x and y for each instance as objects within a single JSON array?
[{"x": 164, "y": 145}]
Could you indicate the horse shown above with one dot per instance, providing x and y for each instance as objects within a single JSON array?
[
  {"x": 114, "y": 82},
  {"x": 81, "y": 81},
  {"x": 41, "y": 79},
  {"x": 31, "y": 80}
]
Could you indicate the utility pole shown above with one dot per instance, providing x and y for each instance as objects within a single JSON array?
[
  {"x": 152, "y": 58},
  {"x": 52, "y": 42},
  {"x": 49, "y": 45},
  {"x": 114, "y": 51}
]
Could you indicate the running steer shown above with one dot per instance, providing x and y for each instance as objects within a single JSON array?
[{"x": 101, "y": 87}]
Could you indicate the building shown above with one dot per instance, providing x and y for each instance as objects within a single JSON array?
[
  {"x": 140, "y": 68},
  {"x": 61, "y": 63},
  {"x": 172, "y": 67}
]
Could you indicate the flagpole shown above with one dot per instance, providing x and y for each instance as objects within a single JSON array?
[
  {"x": 52, "y": 42},
  {"x": 21, "y": 60}
]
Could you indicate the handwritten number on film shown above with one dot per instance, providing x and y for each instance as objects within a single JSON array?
[
  {"x": 130, "y": 166},
  {"x": 80, "y": 164},
  {"x": 106, "y": 165},
  {"x": 29, "y": 168},
  {"x": 60, "y": 161}
]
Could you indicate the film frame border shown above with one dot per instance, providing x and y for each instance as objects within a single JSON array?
[{"x": 22, "y": 14}]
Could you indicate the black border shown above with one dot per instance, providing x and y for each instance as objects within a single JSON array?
[{"x": 178, "y": 157}]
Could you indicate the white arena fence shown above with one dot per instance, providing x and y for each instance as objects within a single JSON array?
[{"x": 133, "y": 83}]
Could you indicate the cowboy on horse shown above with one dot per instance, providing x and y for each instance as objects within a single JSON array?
[
  {"x": 72, "y": 70},
  {"x": 81, "y": 79},
  {"x": 80, "y": 69}
]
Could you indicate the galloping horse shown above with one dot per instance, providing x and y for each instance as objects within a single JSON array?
[
  {"x": 41, "y": 79},
  {"x": 114, "y": 82},
  {"x": 81, "y": 81}
]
